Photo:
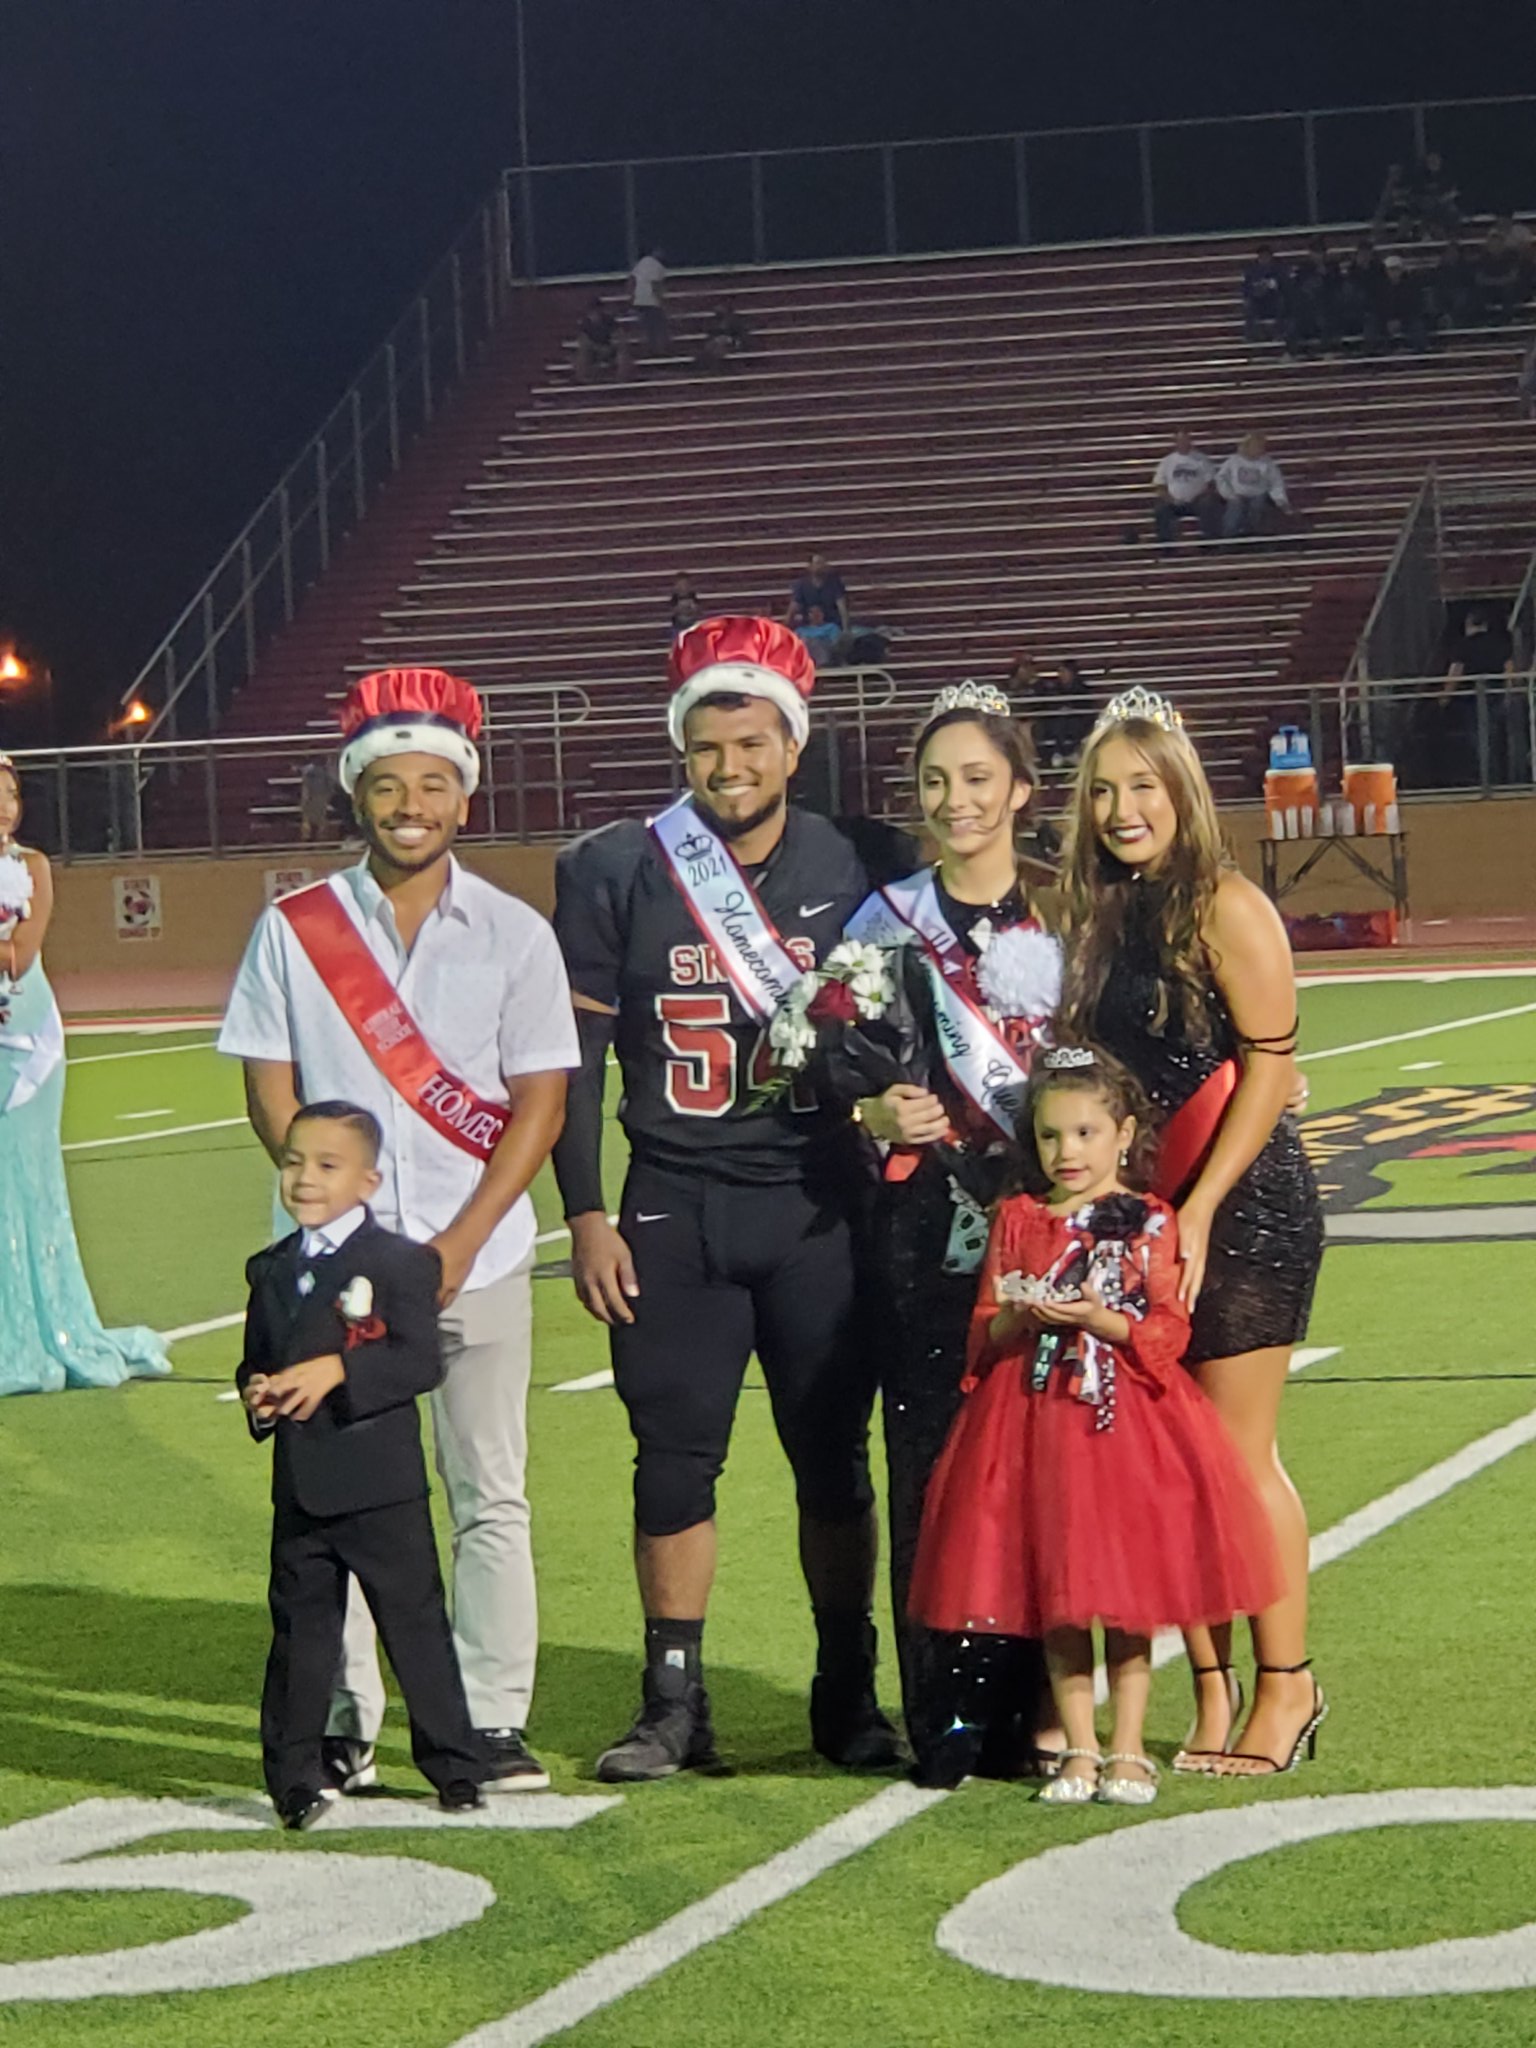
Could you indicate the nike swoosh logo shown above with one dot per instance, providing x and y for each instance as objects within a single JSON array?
[
  {"x": 815, "y": 909},
  {"x": 661, "y": 1217}
]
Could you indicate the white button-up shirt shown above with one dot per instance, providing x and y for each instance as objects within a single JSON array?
[
  {"x": 486, "y": 985},
  {"x": 326, "y": 1238}
]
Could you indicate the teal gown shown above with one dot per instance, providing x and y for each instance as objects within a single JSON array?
[{"x": 50, "y": 1334}]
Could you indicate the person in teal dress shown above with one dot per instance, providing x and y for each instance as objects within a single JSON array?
[{"x": 50, "y": 1334}]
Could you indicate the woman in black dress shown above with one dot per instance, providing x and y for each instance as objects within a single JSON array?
[
  {"x": 969, "y": 941},
  {"x": 1181, "y": 968}
]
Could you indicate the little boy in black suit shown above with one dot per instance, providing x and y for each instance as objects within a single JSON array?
[{"x": 340, "y": 1338}]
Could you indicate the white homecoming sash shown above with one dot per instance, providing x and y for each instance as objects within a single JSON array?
[
  {"x": 725, "y": 908},
  {"x": 982, "y": 1063}
]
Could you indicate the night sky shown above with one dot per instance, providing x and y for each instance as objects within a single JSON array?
[{"x": 210, "y": 210}]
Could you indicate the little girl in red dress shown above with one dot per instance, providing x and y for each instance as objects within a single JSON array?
[{"x": 1087, "y": 1478}]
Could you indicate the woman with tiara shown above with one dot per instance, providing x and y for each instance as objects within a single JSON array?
[
  {"x": 980, "y": 975},
  {"x": 1180, "y": 968},
  {"x": 50, "y": 1333}
]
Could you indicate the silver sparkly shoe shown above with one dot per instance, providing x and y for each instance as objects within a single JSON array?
[
  {"x": 1064, "y": 1791},
  {"x": 1115, "y": 1791}
]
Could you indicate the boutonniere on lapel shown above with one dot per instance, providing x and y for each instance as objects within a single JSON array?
[{"x": 355, "y": 1303}]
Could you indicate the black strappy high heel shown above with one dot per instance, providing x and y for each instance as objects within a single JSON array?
[
  {"x": 1306, "y": 1740},
  {"x": 1196, "y": 1763}
]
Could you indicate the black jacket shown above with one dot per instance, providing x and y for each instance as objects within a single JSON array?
[{"x": 362, "y": 1447}]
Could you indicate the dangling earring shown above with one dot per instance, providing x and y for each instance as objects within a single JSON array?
[{"x": 1125, "y": 1155}]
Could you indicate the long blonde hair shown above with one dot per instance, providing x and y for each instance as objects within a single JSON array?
[{"x": 1096, "y": 886}]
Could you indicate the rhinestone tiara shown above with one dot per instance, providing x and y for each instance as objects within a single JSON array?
[
  {"x": 971, "y": 696},
  {"x": 1064, "y": 1059},
  {"x": 1140, "y": 703}
]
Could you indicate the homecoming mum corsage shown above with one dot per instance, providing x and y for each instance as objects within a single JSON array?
[
  {"x": 852, "y": 985},
  {"x": 355, "y": 1303}
]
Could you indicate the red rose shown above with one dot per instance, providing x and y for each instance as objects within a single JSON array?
[{"x": 832, "y": 1004}]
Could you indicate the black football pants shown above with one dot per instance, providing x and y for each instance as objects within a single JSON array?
[{"x": 725, "y": 1270}]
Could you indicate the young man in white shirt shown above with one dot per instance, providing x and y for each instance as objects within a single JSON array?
[
  {"x": 1185, "y": 484},
  {"x": 441, "y": 1005},
  {"x": 649, "y": 278},
  {"x": 1252, "y": 490}
]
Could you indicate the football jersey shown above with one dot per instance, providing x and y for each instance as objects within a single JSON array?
[{"x": 690, "y": 1054}]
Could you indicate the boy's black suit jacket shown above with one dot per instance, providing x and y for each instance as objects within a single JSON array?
[{"x": 362, "y": 1446}]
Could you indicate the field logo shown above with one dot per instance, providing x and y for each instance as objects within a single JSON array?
[{"x": 1349, "y": 1148}]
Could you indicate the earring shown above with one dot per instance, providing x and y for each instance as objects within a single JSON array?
[{"x": 1125, "y": 1156}]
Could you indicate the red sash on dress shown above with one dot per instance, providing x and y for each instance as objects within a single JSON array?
[
  {"x": 385, "y": 1028},
  {"x": 1190, "y": 1133}
]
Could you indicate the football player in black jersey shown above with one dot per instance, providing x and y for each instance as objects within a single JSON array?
[{"x": 735, "y": 1226}]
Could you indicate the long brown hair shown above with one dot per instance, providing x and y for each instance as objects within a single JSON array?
[{"x": 1097, "y": 886}]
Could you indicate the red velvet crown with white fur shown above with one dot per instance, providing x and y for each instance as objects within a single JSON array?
[
  {"x": 744, "y": 658},
  {"x": 411, "y": 711}
]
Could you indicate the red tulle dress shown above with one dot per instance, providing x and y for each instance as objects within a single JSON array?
[{"x": 1084, "y": 1481}]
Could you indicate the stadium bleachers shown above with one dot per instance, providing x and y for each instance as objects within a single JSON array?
[{"x": 969, "y": 440}]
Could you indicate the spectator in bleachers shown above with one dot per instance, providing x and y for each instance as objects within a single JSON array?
[
  {"x": 601, "y": 349},
  {"x": 1401, "y": 312},
  {"x": 1185, "y": 482},
  {"x": 1312, "y": 300},
  {"x": 649, "y": 301},
  {"x": 725, "y": 335},
  {"x": 819, "y": 584},
  {"x": 1263, "y": 295},
  {"x": 1499, "y": 279},
  {"x": 1063, "y": 719},
  {"x": 1252, "y": 490},
  {"x": 823, "y": 637},
  {"x": 1023, "y": 677},
  {"x": 686, "y": 606},
  {"x": 1434, "y": 196},
  {"x": 1396, "y": 209},
  {"x": 316, "y": 786},
  {"x": 1360, "y": 284},
  {"x": 1452, "y": 288},
  {"x": 1526, "y": 389},
  {"x": 1482, "y": 652}
]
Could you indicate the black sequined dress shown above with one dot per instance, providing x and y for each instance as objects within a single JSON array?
[
  {"x": 969, "y": 1702},
  {"x": 1267, "y": 1236}
]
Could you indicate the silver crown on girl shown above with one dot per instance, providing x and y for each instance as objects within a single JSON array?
[
  {"x": 970, "y": 696},
  {"x": 1140, "y": 703},
  {"x": 1067, "y": 1059}
]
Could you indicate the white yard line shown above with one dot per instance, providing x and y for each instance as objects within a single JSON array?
[
  {"x": 639, "y": 1962},
  {"x": 587, "y": 1384},
  {"x": 141, "y": 1052},
  {"x": 1337, "y": 1052},
  {"x": 138, "y": 1116},
  {"x": 219, "y": 1123},
  {"x": 1302, "y": 1359},
  {"x": 1354, "y": 977},
  {"x": 202, "y": 1329}
]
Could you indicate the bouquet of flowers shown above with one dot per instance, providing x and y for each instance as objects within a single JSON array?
[
  {"x": 15, "y": 892},
  {"x": 848, "y": 1023}
]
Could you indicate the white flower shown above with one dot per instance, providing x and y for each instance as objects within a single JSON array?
[
  {"x": 15, "y": 887},
  {"x": 1019, "y": 974},
  {"x": 356, "y": 1299},
  {"x": 852, "y": 958}
]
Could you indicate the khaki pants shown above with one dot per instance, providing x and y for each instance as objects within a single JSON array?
[{"x": 480, "y": 1421}]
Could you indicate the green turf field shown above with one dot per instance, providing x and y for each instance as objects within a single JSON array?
[{"x": 795, "y": 1906}]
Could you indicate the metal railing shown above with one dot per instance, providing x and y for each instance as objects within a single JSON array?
[
  {"x": 557, "y": 760},
  {"x": 256, "y": 585},
  {"x": 1245, "y": 173},
  {"x": 1407, "y": 617}
]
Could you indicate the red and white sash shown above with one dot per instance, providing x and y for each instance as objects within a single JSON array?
[
  {"x": 980, "y": 1060},
  {"x": 385, "y": 1028},
  {"x": 724, "y": 906}
]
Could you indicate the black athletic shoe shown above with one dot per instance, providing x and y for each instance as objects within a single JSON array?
[
  {"x": 671, "y": 1733},
  {"x": 459, "y": 1796},
  {"x": 848, "y": 1729},
  {"x": 511, "y": 1765},
  {"x": 302, "y": 1807},
  {"x": 347, "y": 1765}
]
